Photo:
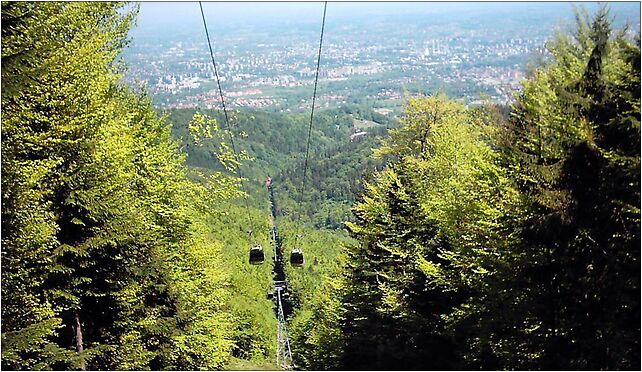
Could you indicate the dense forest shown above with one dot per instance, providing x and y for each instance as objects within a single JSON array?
[
  {"x": 454, "y": 237},
  {"x": 276, "y": 144}
]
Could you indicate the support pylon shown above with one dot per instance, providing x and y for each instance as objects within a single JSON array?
[{"x": 283, "y": 352}]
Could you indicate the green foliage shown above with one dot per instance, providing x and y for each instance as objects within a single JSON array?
[
  {"x": 276, "y": 143},
  {"x": 430, "y": 234},
  {"x": 334, "y": 181},
  {"x": 112, "y": 258},
  {"x": 575, "y": 150},
  {"x": 476, "y": 241},
  {"x": 253, "y": 314},
  {"x": 489, "y": 243},
  {"x": 315, "y": 290},
  {"x": 317, "y": 342}
]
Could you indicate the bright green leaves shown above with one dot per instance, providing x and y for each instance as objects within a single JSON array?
[
  {"x": 57, "y": 79},
  {"x": 316, "y": 290},
  {"x": 202, "y": 128},
  {"x": 99, "y": 219},
  {"x": 205, "y": 131},
  {"x": 215, "y": 186},
  {"x": 412, "y": 139},
  {"x": 434, "y": 233},
  {"x": 457, "y": 181}
]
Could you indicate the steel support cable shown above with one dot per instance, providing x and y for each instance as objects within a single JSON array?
[
  {"x": 227, "y": 123},
  {"x": 314, "y": 97}
]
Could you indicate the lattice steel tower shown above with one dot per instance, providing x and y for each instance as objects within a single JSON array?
[{"x": 283, "y": 352}]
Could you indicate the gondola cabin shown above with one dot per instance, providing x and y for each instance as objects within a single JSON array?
[
  {"x": 256, "y": 255},
  {"x": 296, "y": 257}
]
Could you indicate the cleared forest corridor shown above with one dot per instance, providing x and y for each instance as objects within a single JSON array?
[{"x": 280, "y": 290}]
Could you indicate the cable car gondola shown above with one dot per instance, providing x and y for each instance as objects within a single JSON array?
[
  {"x": 296, "y": 257},
  {"x": 256, "y": 255}
]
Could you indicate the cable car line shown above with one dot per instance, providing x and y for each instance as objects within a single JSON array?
[
  {"x": 314, "y": 97},
  {"x": 307, "y": 148},
  {"x": 280, "y": 292},
  {"x": 280, "y": 288},
  {"x": 229, "y": 131}
]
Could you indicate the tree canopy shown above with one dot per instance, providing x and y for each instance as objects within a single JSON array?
[{"x": 460, "y": 238}]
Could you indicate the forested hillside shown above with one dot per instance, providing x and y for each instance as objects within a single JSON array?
[
  {"x": 501, "y": 244},
  {"x": 276, "y": 143},
  {"x": 111, "y": 257},
  {"x": 457, "y": 237}
]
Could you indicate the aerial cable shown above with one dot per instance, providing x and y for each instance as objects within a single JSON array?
[
  {"x": 227, "y": 123},
  {"x": 314, "y": 97}
]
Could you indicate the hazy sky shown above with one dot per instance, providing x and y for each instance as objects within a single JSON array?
[
  {"x": 187, "y": 14},
  {"x": 175, "y": 12}
]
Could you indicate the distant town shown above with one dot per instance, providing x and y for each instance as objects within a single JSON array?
[{"x": 378, "y": 66}]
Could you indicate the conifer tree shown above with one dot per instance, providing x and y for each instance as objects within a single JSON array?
[{"x": 576, "y": 143}]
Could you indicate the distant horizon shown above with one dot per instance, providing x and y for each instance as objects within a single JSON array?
[
  {"x": 265, "y": 50},
  {"x": 186, "y": 13}
]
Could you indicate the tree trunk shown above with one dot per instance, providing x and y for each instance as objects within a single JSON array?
[{"x": 78, "y": 334}]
